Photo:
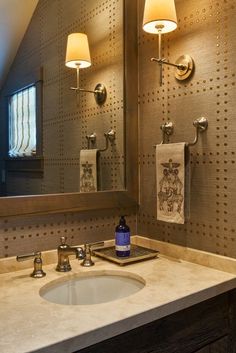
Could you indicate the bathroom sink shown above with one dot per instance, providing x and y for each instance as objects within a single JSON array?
[{"x": 94, "y": 287}]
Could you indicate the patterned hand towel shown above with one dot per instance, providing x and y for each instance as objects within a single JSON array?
[
  {"x": 88, "y": 170},
  {"x": 171, "y": 182}
]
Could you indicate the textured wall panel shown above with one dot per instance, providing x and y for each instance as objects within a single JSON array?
[
  {"x": 207, "y": 32},
  {"x": 66, "y": 119},
  {"x": 66, "y": 123},
  {"x": 26, "y": 234}
]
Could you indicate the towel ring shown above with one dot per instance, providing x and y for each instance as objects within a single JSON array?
[
  {"x": 110, "y": 136},
  {"x": 200, "y": 124}
]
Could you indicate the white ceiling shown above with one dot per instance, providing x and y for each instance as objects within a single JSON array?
[{"x": 15, "y": 16}]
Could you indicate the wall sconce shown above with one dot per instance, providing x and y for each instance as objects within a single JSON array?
[
  {"x": 78, "y": 57},
  {"x": 160, "y": 18}
]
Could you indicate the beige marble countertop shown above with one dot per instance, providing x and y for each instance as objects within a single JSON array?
[{"x": 28, "y": 323}]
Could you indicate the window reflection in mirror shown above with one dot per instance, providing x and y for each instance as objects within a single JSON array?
[
  {"x": 66, "y": 119},
  {"x": 22, "y": 123}
]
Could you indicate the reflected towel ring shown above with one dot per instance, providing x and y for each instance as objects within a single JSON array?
[
  {"x": 110, "y": 136},
  {"x": 91, "y": 139}
]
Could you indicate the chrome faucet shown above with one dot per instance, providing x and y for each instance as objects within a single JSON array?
[{"x": 64, "y": 251}]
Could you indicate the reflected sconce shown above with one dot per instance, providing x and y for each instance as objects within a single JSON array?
[
  {"x": 160, "y": 18},
  {"x": 78, "y": 57}
]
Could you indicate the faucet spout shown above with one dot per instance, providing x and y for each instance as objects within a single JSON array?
[{"x": 64, "y": 251}]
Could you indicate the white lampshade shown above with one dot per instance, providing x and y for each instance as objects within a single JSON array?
[
  {"x": 159, "y": 13},
  {"x": 77, "y": 51}
]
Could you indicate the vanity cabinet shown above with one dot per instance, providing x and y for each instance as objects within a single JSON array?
[
  {"x": 219, "y": 346},
  {"x": 208, "y": 327}
]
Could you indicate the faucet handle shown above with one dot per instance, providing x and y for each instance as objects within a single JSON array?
[
  {"x": 38, "y": 271},
  {"x": 96, "y": 244},
  {"x": 88, "y": 262}
]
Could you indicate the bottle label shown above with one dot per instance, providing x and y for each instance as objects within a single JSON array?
[
  {"x": 122, "y": 247},
  {"x": 122, "y": 241}
]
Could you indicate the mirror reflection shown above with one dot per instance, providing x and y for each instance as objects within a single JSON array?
[{"x": 55, "y": 139}]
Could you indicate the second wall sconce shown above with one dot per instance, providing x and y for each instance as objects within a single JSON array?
[
  {"x": 78, "y": 57},
  {"x": 160, "y": 18}
]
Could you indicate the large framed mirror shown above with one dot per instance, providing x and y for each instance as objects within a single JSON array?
[{"x": 121, "y": 107}]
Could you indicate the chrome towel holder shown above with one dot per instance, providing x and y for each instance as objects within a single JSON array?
[{"x": 200, "y": 124}]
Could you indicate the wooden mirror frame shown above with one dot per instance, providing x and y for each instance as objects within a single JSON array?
[{"x": 70, "y": 202}]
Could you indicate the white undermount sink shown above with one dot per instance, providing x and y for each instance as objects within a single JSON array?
[{"x": 93, "y": 287}]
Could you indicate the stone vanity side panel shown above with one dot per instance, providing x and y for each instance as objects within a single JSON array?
[
  {"x": 206, "y": 31},
  {"x": 65, "y": 121}
]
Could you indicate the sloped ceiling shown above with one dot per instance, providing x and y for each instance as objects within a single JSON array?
[{"x": 15, "y": 16}]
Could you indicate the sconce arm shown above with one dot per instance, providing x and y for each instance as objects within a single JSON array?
[
  {"x": 100, "y": 92},
  {"x": 184, "y": 66},
  {"x": 86, "y": 90},
  {"x": 163, "y": 61},
  {"x": 82, "y": 89}
]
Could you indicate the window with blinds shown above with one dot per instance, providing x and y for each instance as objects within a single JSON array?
[{"x": 22, "y": 123}]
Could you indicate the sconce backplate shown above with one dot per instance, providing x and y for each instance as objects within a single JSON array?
[
  {"x": 100, "y": 93},
  {"x": 187, "y": 61}
]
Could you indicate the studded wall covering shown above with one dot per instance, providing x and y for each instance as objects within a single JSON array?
[
  {"x": 65, "y": 123},
  {"x": 67, "y": 120},
  {"x": 22, "y": 235},
  {"x": 206, "y": 31}
]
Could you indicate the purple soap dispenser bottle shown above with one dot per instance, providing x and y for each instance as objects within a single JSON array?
[{"x": 122, "y": 238}]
